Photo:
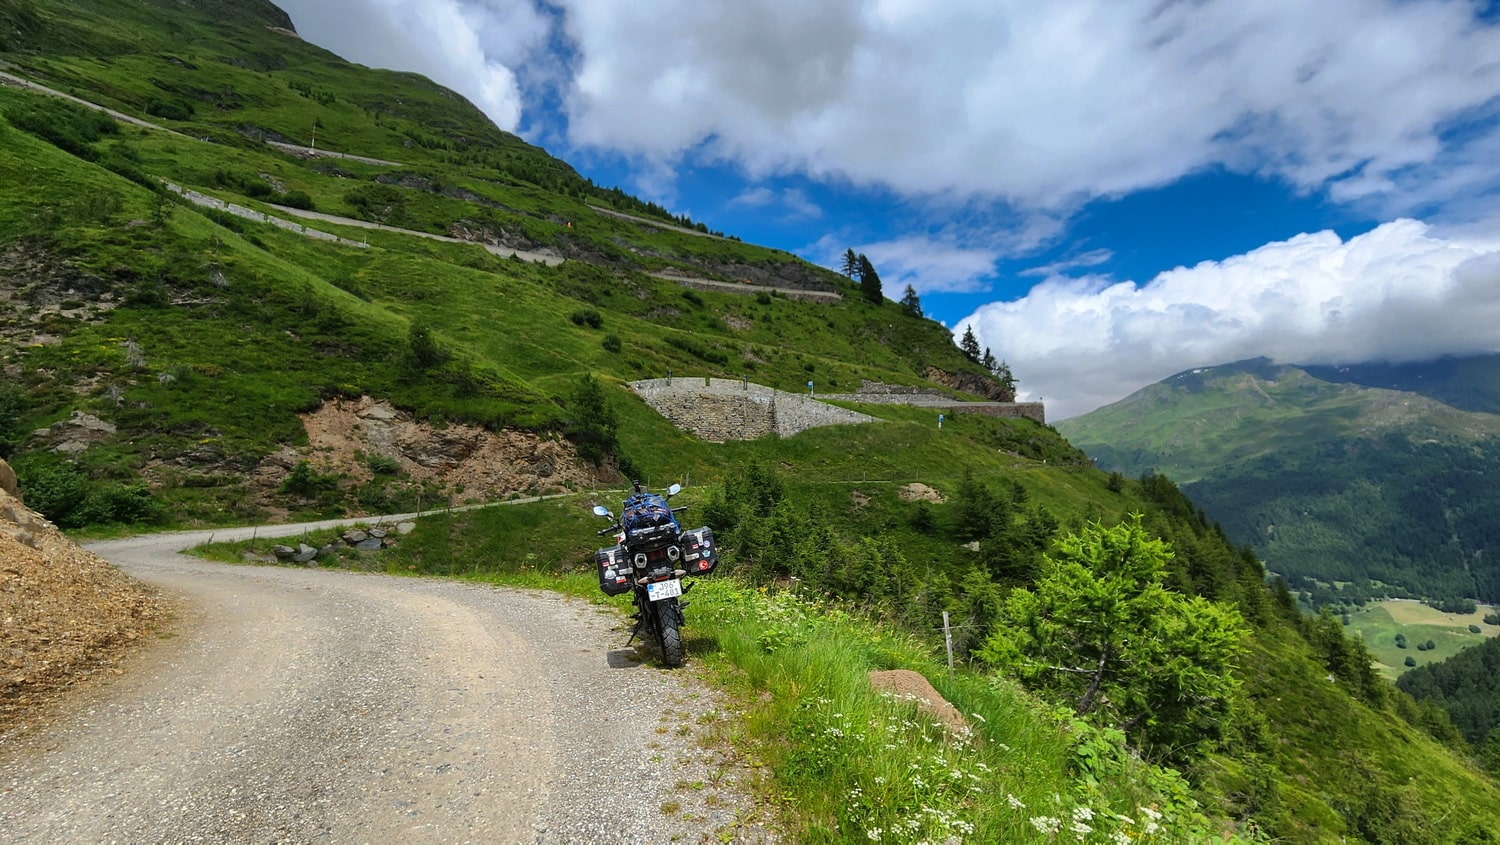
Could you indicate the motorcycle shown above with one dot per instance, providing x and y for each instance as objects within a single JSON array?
[{"x": 651, "y": 557}]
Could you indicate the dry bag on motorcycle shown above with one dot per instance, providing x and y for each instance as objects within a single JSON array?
[
  {"x": 647, "y": 518},
  {"x": 700, "y": 554},
  {"x": 615, "y": 576}
]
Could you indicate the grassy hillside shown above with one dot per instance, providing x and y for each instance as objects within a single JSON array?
[{"x": 201, "y": 336}]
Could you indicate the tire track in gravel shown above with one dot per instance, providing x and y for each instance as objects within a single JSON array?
[{"x": 302, "y": 705}]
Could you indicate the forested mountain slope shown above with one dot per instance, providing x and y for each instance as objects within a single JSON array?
[{"x": 1325, "y": 474}]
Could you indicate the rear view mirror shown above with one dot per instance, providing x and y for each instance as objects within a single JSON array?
[
  {"x": 600, "y": 510},
  {"x": 674, "y": 490}
]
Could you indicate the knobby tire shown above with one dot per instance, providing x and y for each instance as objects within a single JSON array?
[{"x": 670, "y": 617}]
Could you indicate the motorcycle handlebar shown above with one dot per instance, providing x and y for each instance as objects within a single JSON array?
[{"x": 610, "y": 530}]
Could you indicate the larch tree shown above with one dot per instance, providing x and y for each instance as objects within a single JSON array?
[{"x": 1100, "y": 631}]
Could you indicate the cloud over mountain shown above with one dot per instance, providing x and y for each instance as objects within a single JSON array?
[{"x": 1397, "y": 293}]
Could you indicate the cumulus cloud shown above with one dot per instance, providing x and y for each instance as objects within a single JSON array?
[
  {"x": 1044, "y": 104},
  {"x": 471, "y": 46},
  {"x": 1400, "y": 292}
]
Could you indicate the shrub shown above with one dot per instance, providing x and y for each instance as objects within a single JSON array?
[
  {"x": 298, "y": 199},
  {"x": 587, "y": 317},
  {"x": 1409, "y": 661},
  {"x": 611, "y": 343},
  {"x": 1474, "y": 629},
  {"x": 693, "y": 297},
  {"x": 169, "y": 109},
  {"x": 307, "y": 482}
]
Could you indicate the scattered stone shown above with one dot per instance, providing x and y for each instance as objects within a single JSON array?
[
  {"x": 354, "y": 536},
  {"x": 405, "y": 528},
  {"x": 370, "y": 544},
  {"x": 283, "y": 552},
  {"x": 378, "y": 533},
  {"x": 919, "y": 492},
  {"x": 304, "y": 553}
]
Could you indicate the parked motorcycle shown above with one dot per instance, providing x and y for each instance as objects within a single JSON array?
[{"x": 651, "y": 557}]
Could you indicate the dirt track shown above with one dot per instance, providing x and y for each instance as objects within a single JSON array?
[{"x": 295, "y": 705}]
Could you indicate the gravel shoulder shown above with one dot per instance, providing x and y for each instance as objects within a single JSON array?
[{"x": 299, "y": 705}]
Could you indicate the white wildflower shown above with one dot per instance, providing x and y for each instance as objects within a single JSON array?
[
  {"x": 1014, "y": 802},
  {"x": 1046, "y": 824}
]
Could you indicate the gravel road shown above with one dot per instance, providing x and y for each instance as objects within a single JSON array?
[{"x": 309, "y": 705}]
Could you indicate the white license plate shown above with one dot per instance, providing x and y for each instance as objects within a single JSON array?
[{"x": 664, "y": 590}]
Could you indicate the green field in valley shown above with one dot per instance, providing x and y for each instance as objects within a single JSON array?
[{"x": 1380, "y": 621}]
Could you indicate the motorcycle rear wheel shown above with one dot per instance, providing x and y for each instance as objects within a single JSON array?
[{"x": 670, "y": 616}]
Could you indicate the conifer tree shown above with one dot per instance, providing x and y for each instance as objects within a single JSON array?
[
  {"x": 850, "y": 267},
  {"x": 970, "y": 344},
  {"x": 869, "y": 281},
  {"x": 910, "y": 303}
]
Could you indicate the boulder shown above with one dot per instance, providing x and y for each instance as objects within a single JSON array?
[
  {"x": 8, "y": 480},
  {"x": 370, "y": 544},
  {"x": 354, "y": 536},
  {"x": 304, "y": 553},
  {"x": 283, "y": 552}
]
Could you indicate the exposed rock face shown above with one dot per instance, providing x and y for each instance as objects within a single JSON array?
[
  {"x": 75, "y": 434},
  {"x": 971, "y": 383},
  {"x": 65, "y": 613},
  {"x": 343, "y": 433}
]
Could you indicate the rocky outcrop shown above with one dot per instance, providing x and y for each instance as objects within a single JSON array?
[
  {"x": 349, "y": 436},
  {"x": 75, "y": 434}
]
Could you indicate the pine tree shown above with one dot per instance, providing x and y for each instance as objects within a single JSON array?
[
  {"x": 970, "y": 344},
  {"x": 851, "y": 264},
  {"x": 988, "y": 362},
  {"x": 869, "y": 281},
  {"x": 910, "y": 303}
]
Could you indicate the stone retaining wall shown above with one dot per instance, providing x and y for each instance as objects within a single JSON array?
[{"x": 725, "y": 409}]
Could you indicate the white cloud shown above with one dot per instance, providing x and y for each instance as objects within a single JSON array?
[
  {"x": 1044, "y": 104},
  {"x": 470, "y": 46},
  {"x": 928, "y": 264},
  {"x": 1092, "y": 258},
  {"x": 796, "y": 202},
  {"x": 1400, "y": 292}
]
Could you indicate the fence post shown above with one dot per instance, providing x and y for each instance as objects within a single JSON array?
[{"x": 948, "y": 643}]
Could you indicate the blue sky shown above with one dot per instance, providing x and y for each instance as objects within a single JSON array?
[{"x": 1107, "y": 191}]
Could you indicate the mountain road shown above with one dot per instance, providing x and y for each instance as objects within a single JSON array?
[{"x": 293, "y": 704}]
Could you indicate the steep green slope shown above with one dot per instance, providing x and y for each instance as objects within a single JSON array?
[
  {"x": 202, "y": 335},
  {"x": 1335, "y": 481}
]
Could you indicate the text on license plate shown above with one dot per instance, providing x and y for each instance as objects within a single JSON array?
[{"x": 664, "y": 590}]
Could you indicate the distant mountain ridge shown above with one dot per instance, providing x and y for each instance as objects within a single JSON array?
[{"x": 1354, "y": 473}]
